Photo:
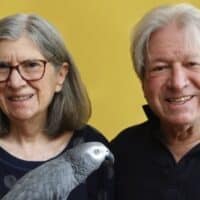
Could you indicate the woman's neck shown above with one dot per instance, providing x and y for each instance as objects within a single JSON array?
[{"x": 28, "y": 141}]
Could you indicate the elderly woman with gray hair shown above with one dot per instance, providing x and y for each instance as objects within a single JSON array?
[
  {"x": 44, "y": 106},
  {"x": 160, "y": 158}
]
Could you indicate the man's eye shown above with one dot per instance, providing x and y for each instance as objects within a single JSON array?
[{"x": 158, "y": 68}]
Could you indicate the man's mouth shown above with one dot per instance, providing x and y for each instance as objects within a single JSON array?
[{"x": 180, "y": 100}]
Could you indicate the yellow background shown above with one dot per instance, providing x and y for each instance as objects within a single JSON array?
[{"x": 97, "y": 34}]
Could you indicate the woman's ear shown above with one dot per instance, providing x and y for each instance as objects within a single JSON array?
[{"x": 61, "y": 75}]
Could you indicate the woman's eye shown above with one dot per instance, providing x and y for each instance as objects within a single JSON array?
[
  {"x": 32, "y": 64},
  {"x": 4, "y": 65}
]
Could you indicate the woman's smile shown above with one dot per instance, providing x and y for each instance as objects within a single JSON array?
[{"x": 20, "y": 98}]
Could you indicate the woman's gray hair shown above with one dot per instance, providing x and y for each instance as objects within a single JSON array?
[
  {"x": 70, "y": 108},
  {"x": 184, "y": 15}
]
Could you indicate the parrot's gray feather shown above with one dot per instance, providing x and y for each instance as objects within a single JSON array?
[{"x": 55, "y": 179}]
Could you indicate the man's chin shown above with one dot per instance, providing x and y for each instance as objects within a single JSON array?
[{"x": 178, "y": 120}]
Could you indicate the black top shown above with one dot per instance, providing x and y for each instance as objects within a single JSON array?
[
  {"x": 97, "y": 185},
  {"x": 146, "y": 170}
]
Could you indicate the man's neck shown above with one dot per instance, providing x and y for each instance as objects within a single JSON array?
[{"x": 180, "y": 140}]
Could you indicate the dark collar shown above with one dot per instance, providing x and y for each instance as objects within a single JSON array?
[
  {"x": 149, "y": 113},
  {"x": 154, "y": 123}
]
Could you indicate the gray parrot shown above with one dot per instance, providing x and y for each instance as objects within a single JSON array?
[{"x": 55, "y": 179}]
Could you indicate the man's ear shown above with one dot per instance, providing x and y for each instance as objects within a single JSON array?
[
  {"x": 143, "y": 89},
  {"x": 61, "y": 75}
]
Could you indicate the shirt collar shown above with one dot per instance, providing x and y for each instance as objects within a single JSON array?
[{"x": 149, "y": 113}]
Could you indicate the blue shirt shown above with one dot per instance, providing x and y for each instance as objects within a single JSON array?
[{"x": 97, "y": 186}]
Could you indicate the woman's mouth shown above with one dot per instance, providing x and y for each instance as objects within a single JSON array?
[{"x": 20, "y": 97}]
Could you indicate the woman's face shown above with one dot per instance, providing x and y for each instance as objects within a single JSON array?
[{"x": 23, "y": 100}]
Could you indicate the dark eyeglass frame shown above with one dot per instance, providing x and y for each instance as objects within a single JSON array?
[{"x": 12, "y": 67}]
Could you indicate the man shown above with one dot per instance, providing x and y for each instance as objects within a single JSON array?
[{"x": 160, "y": 158}]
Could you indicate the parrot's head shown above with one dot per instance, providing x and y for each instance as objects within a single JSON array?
[
  {"x": 88, "y": 157},
  {"x": 99, "y": 152}
]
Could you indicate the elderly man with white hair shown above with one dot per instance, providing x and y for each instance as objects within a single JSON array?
[{"x": 160, "y": 158}]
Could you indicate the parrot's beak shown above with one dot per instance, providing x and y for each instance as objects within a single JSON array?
[
  {"x": 109, "y": 159},
  {"x": 109, "y": 164}
]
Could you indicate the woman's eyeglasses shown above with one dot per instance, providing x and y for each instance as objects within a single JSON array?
[{"x": 29, "y": 70}]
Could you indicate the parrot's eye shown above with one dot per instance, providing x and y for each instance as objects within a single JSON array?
[{"x": 96, "y": 151}]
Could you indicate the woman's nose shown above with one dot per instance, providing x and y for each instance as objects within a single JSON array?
[{"x": 15, "y": 79}]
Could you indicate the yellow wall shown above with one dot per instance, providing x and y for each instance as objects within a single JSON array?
[{"x": 97, "y": 34}]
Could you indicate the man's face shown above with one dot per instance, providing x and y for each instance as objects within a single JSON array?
[{"x": 171, "y": 81}]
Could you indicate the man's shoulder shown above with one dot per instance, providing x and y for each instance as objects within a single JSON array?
[
  {"x": 134, "y": 131},
  {"x": 132, "y": 136}
]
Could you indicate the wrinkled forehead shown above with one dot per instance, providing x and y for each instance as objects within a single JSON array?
[{"x": 18, "y": 50}]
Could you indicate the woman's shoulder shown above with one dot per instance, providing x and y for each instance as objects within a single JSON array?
[{"x": 88, "y": 133}]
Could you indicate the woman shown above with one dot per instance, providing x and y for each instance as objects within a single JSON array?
[{"x": 43, "y": 103}]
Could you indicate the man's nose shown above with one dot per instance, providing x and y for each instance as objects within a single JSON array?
[{"x": 178, "y": 77}]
